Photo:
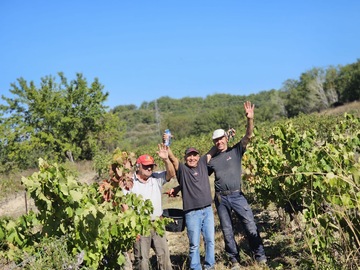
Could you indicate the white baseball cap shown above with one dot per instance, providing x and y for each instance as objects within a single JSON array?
[{"x": 218, "y": 134}]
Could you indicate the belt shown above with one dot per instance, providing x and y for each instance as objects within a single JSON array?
[
  {"x": 194, "y": 209},
  {"x": 228, "y": 192}
]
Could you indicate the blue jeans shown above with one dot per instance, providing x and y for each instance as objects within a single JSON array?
[
  {"x": 237, "y": 202},
  {"x": 201, "y": 221}
]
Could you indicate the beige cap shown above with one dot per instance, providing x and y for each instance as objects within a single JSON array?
[{"x": 218, "y": 134}]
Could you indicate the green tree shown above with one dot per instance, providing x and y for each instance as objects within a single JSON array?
[
  {"x": 294, "y": 98},
  {"x": 308, "y": 94},
  {"x": 348, "y": 82},
  {"x": 330, "y": 85},
  {"x": 313, "y": 82},
  {"x": 269, "y": 105},
  {"x": 223, "y": 117},
  {"x": 51, "y": 120}
]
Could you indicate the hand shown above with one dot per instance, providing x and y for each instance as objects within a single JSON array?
[
  {"x": 249, "y": 109},
  {"x": 172, "y": 193},
  {"x": 163, "y": 151},
  {"x": 165, "y": 137},
  {"x": 231, "y": 133}
]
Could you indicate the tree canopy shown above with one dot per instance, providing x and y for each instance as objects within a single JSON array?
[{"x": 56, "y": 120}]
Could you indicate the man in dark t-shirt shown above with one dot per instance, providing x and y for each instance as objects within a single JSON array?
[
  {"x": 226, "y": 164},
  {"x": 196, "y": 196}
]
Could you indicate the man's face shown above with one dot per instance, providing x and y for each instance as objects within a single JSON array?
[
  {"x": 145, "y": 171},
  {"x": 192, "y": 159},
  {"x": 221, "y": 143}
]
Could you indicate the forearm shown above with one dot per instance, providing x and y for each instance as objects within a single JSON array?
[
  {"x": 177, "y": 189},
  {"x": 211, "y": 153},
  {"x": 173, "y": 159},
  {"x": 170, "y": 170},
  {"x": 249, "y": 128},
  {"x": 249, "y": 131}
]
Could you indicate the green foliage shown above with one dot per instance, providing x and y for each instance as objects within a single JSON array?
[
  {"x": 101, "y": 163},
  {"x": 68, "y": 120},
  {"x": 316, "y": 90},
  {"x": 50, "y": 253},
  {"x": 348, "y": 81},
  {"x": 98, "y": 229},
  {"x": 317, "y": 173},
  {"x": 55, "y": 121}
]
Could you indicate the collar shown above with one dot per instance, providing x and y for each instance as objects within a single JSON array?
[{"x": 140, "y": 180}]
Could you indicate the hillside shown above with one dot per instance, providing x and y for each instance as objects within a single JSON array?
[
  {"x": 284, "y": 236},
  {"x": 11, "y": 187}
]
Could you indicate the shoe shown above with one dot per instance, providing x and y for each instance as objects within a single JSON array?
[
  {"x": 263, "y": 264},
  {"x": 235, "y": 266}
]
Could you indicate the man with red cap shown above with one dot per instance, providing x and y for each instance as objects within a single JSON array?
[{"x": 148, "y": 184}]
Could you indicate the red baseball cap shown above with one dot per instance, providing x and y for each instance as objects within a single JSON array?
[{"x": 145, "y": 160}]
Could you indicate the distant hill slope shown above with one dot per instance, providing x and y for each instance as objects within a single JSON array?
[{"x": 353, "y": 108}]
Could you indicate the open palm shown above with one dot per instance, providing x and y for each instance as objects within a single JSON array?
[{"x": 249, "y": 109}]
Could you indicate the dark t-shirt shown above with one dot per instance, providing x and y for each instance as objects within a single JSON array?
[
  {"x": 227, "y": 168},
  {"x": 195, "y": 185}
]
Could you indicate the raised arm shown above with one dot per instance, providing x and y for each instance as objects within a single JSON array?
[
  {"x": 164, "y": 155},
  {"x": 211, "y": 153},
  {"x": 173, "y": 159},
  {"x": 249, "y": 111}
]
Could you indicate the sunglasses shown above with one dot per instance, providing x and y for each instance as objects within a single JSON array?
[{"x": 146, "y": 167}]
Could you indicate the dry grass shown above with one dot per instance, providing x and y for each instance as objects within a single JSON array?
[{"x": 353, "y": 108}]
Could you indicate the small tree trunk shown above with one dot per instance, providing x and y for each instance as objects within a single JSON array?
[{"x": 69, "y": 155}]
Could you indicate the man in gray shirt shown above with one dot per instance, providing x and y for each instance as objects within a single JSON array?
[
  {"x": 226, "y": 164},
  {"x": 196, "y": 196}
]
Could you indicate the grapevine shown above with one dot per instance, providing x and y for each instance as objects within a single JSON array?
[
  {"x": 316, "y": 175},
  {"x": 93, "y": 224}
]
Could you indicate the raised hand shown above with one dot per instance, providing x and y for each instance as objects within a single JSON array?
[
  {"x": 163, "y": 151},
  {"x": 231, "y": 133},
  {"x": 249, "y": 109}
]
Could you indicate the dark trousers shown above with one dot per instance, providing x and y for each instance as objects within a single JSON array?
[{"x": 237, "y": 202}]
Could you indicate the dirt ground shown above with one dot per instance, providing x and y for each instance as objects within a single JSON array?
[
  {"x": 16, "y": 206},
  {"x": 19, "y": 203}
]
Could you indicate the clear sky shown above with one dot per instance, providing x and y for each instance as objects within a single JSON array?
[{"x": 144, "y": 50}]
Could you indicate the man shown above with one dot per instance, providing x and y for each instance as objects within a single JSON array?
[
  {"x": 196, "y": 196},
  {"x": 149, "y": 184},
  {"x": 226, "y": 164}
]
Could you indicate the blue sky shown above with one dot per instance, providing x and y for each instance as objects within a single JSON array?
[{"x": 144, "y": 50}]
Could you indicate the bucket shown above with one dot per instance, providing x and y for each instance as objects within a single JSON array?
[{"x": 178, "y": 216}]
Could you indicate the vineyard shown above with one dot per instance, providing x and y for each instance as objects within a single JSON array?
[{"x": 306, "y": 170}]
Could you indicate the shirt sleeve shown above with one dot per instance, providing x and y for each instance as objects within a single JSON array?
[{"x": 160, "y": 177}]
